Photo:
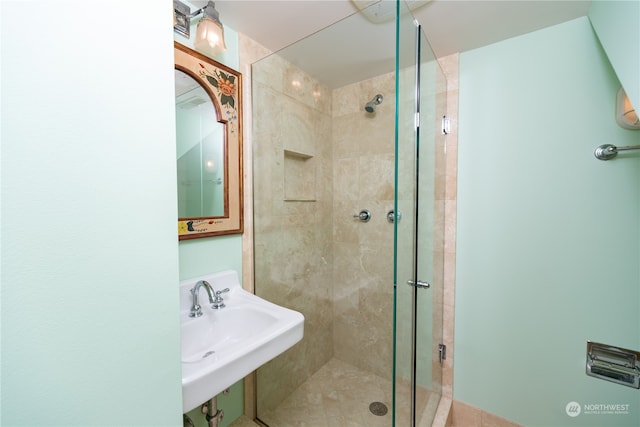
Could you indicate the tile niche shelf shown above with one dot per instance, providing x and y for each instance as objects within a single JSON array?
[{"x": 299, "y": 177}]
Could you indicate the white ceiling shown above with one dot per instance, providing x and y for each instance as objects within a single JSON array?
[{"x": 450, "y": 26}]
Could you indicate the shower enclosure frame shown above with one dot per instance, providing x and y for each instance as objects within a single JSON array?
[
  {"x": 421, "y": 106},
  {"x": 420, "y": 120}
]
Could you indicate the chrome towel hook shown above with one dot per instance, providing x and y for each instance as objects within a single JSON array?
[{"x": 609, "y": 151}]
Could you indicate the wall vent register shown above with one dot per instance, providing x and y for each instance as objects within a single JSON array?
[{"x": 615, "y": 364}]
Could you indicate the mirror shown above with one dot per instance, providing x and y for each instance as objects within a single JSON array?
[
  {"x": 200, "y": 148},
  {"x": 208, "y": 146}
]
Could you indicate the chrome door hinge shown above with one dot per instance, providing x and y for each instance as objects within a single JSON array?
[
  {"x": 442, "y": 352},
  {"x": 446, "y": 125}
]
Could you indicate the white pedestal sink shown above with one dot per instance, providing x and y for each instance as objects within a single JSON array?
[{"x": 224, "y": 345}]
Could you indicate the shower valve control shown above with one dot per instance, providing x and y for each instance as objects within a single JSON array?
[
  {"x": 363, "y": 216},
  {"x": 392, "y": 216}
]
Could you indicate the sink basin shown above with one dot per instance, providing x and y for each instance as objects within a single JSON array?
[{"x": 223, "y": 346}]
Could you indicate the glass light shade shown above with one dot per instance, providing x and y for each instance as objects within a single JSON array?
[
  {"x": 626, "y": 114},
  {"x": 209, "y": 37}
]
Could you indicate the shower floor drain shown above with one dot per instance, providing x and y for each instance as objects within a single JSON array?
[{"x": 378, "y": 408}]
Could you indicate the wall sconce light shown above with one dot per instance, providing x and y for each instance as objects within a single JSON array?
[
  {"x": 209, "y": 33},
  {"x": 626, "y": 114}
]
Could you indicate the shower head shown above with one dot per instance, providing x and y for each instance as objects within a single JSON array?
[{"x": 371, "y": 105}]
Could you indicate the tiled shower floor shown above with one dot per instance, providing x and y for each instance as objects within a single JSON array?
[{"x": 339, "y": 394}]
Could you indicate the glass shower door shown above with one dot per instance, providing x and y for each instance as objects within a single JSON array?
[{"x": 419, "y": 226}]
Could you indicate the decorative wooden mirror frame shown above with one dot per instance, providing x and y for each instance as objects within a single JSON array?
[{"x": 224, "y": 86}]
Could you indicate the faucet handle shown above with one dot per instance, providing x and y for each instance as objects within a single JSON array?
[{"x": 218, "y": 302}]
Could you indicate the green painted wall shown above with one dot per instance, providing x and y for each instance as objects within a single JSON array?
[
  {"x": 90, "y": 331},
  {"x": 548, "y": 237},
  {"x": 90, "y": 259},
  {"x": 617, "y": 24}
]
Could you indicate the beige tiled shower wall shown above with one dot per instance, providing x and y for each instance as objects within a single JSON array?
[
  {"x": 293, "y": 223},
  {"x": 447, "y": 205},
  {"x": 310, "y": 253},
  {"x": 363, "y": 178},
  {"x": 449, "y": 65}
]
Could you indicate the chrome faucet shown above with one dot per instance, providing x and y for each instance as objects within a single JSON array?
[{"x": 196, "y": 310}]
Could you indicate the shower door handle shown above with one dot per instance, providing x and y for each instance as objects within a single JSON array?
[{"x": 418, "y": 284}]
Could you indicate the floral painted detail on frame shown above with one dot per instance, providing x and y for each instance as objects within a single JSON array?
[{"x": 225, "y": 83}]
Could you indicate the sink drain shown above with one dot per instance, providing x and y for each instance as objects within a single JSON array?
[
  {"x": 208, "y": 353},
  {"x": 378, "y": 408}
]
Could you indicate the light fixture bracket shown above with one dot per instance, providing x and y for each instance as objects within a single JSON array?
[
  {"x": 210, "y": 33},
  {"x": 183, "y": 16}
]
